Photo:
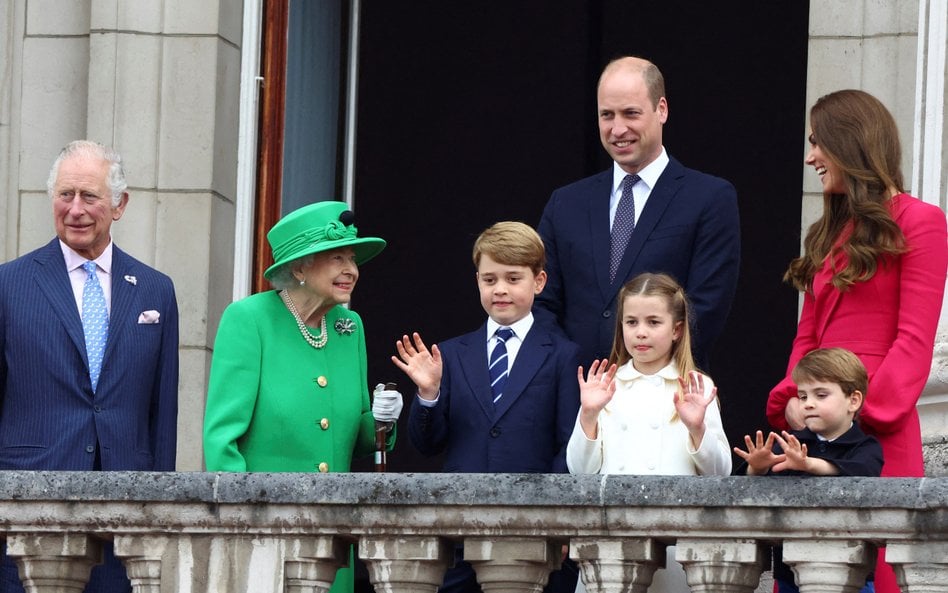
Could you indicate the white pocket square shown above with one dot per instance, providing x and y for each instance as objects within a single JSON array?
[{"x": 149, "y": 317}]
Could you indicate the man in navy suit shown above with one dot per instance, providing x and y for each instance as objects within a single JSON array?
[
  {"x": 60, "y": 408},
  {"x": 683, "y": 223},
  {"x": 503, "y": 398}
]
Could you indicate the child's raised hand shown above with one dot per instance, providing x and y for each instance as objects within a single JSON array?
[
  {"x": 795, "y": 453},
  {"x": 759, "y": 456},
  {"x": 691, "y": 403},
  {"x": 421, "y": 366},
  {"x": 595, "y": 391}
]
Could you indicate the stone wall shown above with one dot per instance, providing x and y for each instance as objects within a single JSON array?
[{"x": 263, "y": 533}]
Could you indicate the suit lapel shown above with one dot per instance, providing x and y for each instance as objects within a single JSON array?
[
  {"x": 53, "y": 282},
  {"x": 533, "y": 352},
  {"x": 668, "y": 184},
  {"x": 599, "y": 230},
  {"x": 472, "y": 354},
  {"x": 123, "y": 296}
]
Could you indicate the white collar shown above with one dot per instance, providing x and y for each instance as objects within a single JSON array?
[
  {"x": 520, "y": 328},
  {"x": 628, "y": 372},
  {"x": 649, "y": 173},
  {"x": 74, "y": 260}
]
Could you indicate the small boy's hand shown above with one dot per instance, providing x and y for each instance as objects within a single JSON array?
[
  {"x": 594, "y": 393},
  {"x": 421, "y": 366},
  {"x": 795, "y": 453},
  {"x": 759, "y": 456}
]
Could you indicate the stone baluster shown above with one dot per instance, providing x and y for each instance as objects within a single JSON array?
[
  {"x": 403, "y": 564},
  {"x": 920, "y": 566},
  {"x": 508, "y": 565},
  {"x": 721, "y": 566},
  {"x": 54, "y": 563},
  {"x": 612, "y": 565},
  {"x": 829, "y": 566},
  {"x": 141, "y": 555},
  {"x": 311, "y": 563}
]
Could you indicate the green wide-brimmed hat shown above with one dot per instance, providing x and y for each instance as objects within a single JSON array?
[{"x": 318, "y": 227}]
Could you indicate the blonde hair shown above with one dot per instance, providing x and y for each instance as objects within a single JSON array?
[
  {"x": 833, "y": 365},
  {"x": 666, "y": 288},
  {"x": 511, "y": 244}
]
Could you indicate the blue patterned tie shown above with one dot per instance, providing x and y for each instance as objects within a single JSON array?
[
  {"x": 622, "y": 225},
  {"x": 498, "y": 362},
  {"x": 95, "y": 321}
]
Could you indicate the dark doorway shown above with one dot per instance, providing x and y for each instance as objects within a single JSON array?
[{"x": 470, "y": 113}]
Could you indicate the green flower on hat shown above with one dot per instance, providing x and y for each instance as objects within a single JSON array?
[{"x": 321, "y": 226}]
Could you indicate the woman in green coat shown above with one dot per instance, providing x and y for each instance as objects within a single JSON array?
[{"x": 288, "y": 389}]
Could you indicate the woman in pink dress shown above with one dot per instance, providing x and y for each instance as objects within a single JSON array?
[{"x": 873, "y": 277}]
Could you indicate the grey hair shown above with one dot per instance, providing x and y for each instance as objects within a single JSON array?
[
  {"x": 282, "y": 278},
  {"x": 88, "y": 148}
]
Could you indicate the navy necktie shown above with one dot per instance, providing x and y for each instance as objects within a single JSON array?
[
  {"x": 622, "y": 225},
  {"x": 95, "y": 321},
  {"x": 498, "y": 362}
]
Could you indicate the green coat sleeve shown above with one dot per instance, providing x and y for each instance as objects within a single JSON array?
[{"x": 233, "y": 388}]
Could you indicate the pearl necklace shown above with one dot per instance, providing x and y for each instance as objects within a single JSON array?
[{"x": 317, "y": 342}]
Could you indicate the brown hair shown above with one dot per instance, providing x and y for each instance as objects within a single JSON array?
[
  {"x": 833, "y": 365},
  {"x": 856, "y": 133},
  {"x": 512, "y": 244},
  {"x": 654, "y": 81},
  {"x": 665, "y": 287}
]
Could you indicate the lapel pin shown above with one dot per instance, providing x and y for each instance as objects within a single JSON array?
[{"x": 131, "y": 280}]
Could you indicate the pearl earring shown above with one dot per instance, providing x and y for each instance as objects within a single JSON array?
[{"x": 303, "y": 282}]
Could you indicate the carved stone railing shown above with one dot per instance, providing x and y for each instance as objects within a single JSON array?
[{"x": 263, "y": 533}]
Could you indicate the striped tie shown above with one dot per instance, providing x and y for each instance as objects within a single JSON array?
[{"x": 498, "y": 362}]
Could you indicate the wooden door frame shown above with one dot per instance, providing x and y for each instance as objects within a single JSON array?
[{"x": 270, "y": 156}]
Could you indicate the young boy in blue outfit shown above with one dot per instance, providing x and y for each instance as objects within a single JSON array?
[
  {"x": 503, "y": 398},
  {"x": 831, "y": 385}
]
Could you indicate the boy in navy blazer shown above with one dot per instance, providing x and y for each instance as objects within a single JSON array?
[{"x": 503, "y": 398}]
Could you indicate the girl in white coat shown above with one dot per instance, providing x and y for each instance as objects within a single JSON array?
[{"x": 647, "y": 410}]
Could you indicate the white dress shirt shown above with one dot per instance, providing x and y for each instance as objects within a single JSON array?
[
  {"x": 77, "y": 276},
  {"x": 640, "y": 191},
  {"x": 520, "y": 329}
]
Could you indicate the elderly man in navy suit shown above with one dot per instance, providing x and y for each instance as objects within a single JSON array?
[
  {"x": 89, "y": 342},
  {"x": 648, "y": 213}
]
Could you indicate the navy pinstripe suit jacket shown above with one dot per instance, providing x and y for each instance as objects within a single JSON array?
[{"x": 49, "y": 417}]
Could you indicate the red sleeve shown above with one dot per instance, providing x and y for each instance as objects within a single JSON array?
[
  {"x": 902, "y": 375},
  {"x": 803, "y": 343}
]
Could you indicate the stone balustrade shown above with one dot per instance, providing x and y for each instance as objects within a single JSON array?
[{"x": 270, "y": 533}]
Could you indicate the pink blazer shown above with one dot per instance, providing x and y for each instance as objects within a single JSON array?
[{"x": 890, "y": 323}]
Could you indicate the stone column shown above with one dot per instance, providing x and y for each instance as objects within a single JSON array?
[
  {"x": 719, "y": 565},
  {"x": 141, "y": 555},
  {"x": 508, "y": 565},
  {"x": 162, "y": 88},
  {"x": 617, "y": 565},
  {"x": 311, "y": 563},
  {"x": 920, "y": 566},
  {"x": 830, "y": 566},
  {"x": 404, "y": 564},
  {"x": 54, "y": 563},
  {"x": 930, "y": 179}
]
